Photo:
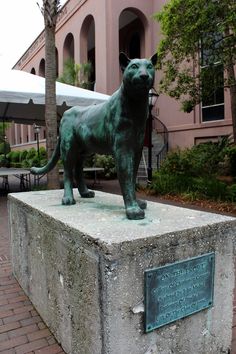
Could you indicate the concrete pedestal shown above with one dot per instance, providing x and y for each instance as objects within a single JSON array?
[{"x": 83, "y": 267}]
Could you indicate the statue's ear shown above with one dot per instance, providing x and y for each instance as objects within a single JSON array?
[
  {"x": 124, "y": 61},
  {"x": 153, "y": 59}
]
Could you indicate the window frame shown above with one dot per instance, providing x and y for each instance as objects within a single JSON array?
[{"x": 222, "y": 104}]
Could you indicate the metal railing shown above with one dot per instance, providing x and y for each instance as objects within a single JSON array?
[
  {"x": 159, "y": 149},
  {"x": 160, "y": 129}
]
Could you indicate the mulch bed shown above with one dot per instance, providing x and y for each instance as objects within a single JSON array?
[
  {"x": 200, "y": 204},
  {"x": 207, "y": 205}
]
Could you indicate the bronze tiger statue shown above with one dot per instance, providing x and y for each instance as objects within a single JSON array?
[{"x": 115, "y": 127}]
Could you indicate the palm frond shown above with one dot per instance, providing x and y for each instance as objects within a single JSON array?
[{"x": 49, "y": 10}]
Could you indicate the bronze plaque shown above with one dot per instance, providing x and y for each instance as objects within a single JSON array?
[{"x": 178, "y": 290}]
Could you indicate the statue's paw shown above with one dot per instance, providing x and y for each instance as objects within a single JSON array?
[
  {"x": 135, "y": 213},
  {"x": 88, "y": 194},
  {"x": 68, "y": 201},
  {"x": 142, "y": 203}
]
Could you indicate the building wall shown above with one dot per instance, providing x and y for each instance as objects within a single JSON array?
[{"x": 114, "y": 22}]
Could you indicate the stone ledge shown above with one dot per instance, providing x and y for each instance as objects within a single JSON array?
[
  {"x": 82, "y": 266},
  {"x": 98, "y": 216}
]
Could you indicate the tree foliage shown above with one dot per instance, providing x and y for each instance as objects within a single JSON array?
[
  {"x": 76, "y": 74},
  {"x": 3, "y": 128},
  {"x": 195, "y": 33},
  {"x": 49, "y": 10}
]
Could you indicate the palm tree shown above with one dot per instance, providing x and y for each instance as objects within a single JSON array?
[{"x": 50, "y": 11}]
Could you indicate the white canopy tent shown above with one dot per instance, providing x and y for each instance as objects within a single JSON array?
[{"x": 22, "y": 97}]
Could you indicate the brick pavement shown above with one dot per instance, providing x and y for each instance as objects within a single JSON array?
[{"x": 21, "y": 328}]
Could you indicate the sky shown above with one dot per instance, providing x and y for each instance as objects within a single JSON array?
[{"x": 20, "y": 23}]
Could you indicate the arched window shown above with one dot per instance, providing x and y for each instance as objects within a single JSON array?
[
  {"x": 87, "y": 48},
  {"x": 42, "y": 68},
  {"x": 132, "y": 32},
  {"x": 68, "y": 48},
  {"x": 134, "y": 46}
]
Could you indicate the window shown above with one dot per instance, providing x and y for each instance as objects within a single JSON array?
[
  {"x": 212, "y": 73},
  {"x": 134, "y": 46}
]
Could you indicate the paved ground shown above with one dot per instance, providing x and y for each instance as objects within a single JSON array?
[{"x": 21, "y": 328}]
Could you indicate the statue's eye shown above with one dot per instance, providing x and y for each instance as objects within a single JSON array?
[{"x": 134, "y": 66}]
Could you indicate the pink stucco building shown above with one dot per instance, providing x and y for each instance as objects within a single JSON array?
[{"x": 96, "y": 31}]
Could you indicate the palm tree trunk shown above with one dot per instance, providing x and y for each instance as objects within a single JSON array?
[{"x": 50, "y": 102}]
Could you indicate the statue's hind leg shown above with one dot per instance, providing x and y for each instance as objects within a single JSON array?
[
  {"x": 68, "y": 163},
  {"x": 79, "y": 177},
  {"x": 68, "y": 198}
]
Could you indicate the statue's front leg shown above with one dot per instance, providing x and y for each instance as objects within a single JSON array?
[
  {"x": 134, "y": 212},
  {"x": 142, "y": 203},
  {"x": 127, "y": 177}
]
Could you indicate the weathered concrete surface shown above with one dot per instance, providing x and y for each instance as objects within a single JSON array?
[{"x": 83, "y": 268}]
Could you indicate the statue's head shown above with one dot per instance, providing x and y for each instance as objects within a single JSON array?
[{"x": 138, "y": 74}]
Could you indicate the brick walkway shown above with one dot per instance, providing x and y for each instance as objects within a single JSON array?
[{"x": 21, "y": 328}]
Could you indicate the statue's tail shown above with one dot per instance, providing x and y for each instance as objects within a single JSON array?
[{"x": 51, "y": 163}]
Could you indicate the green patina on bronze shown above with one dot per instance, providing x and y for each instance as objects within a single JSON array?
[
  {"x": 115, "y": 127},
  {"x": 178, "y": 290}
]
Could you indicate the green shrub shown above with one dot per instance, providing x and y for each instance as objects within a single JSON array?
[
  {"x": 193, "y": 172},
  {"x": 210, "y": 188},
  {"x": 107, "y": 162},
  {"x": 43, "y": 162},
  {"x": 23, "y": 155},
  {"x": 176, "y": 162},
  {"x": 30, "y": 163},
  {"x": 4, "y": 162},
  {"x": 25, "y": 164},
  {"x": 231, "y": 153},
  {"x": 35, "y": 161},
  {"x": 31, "y": 154},
  {"x": 191, "y": 187},
  {"x": 27, "y": 158},
  {"x": 42, "y": 152},
  {"x": 5, "y": 148},
  {"x": 231, "y": 193},
  {"x": 171, "y": 183},
  {"x": 200, "y": 160},
  {"x": 207, "y": 156},
  {"x": 60, "y": 164},
  {"x": 90, "y": 161},
  {"x": 14, "y": 156}
]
